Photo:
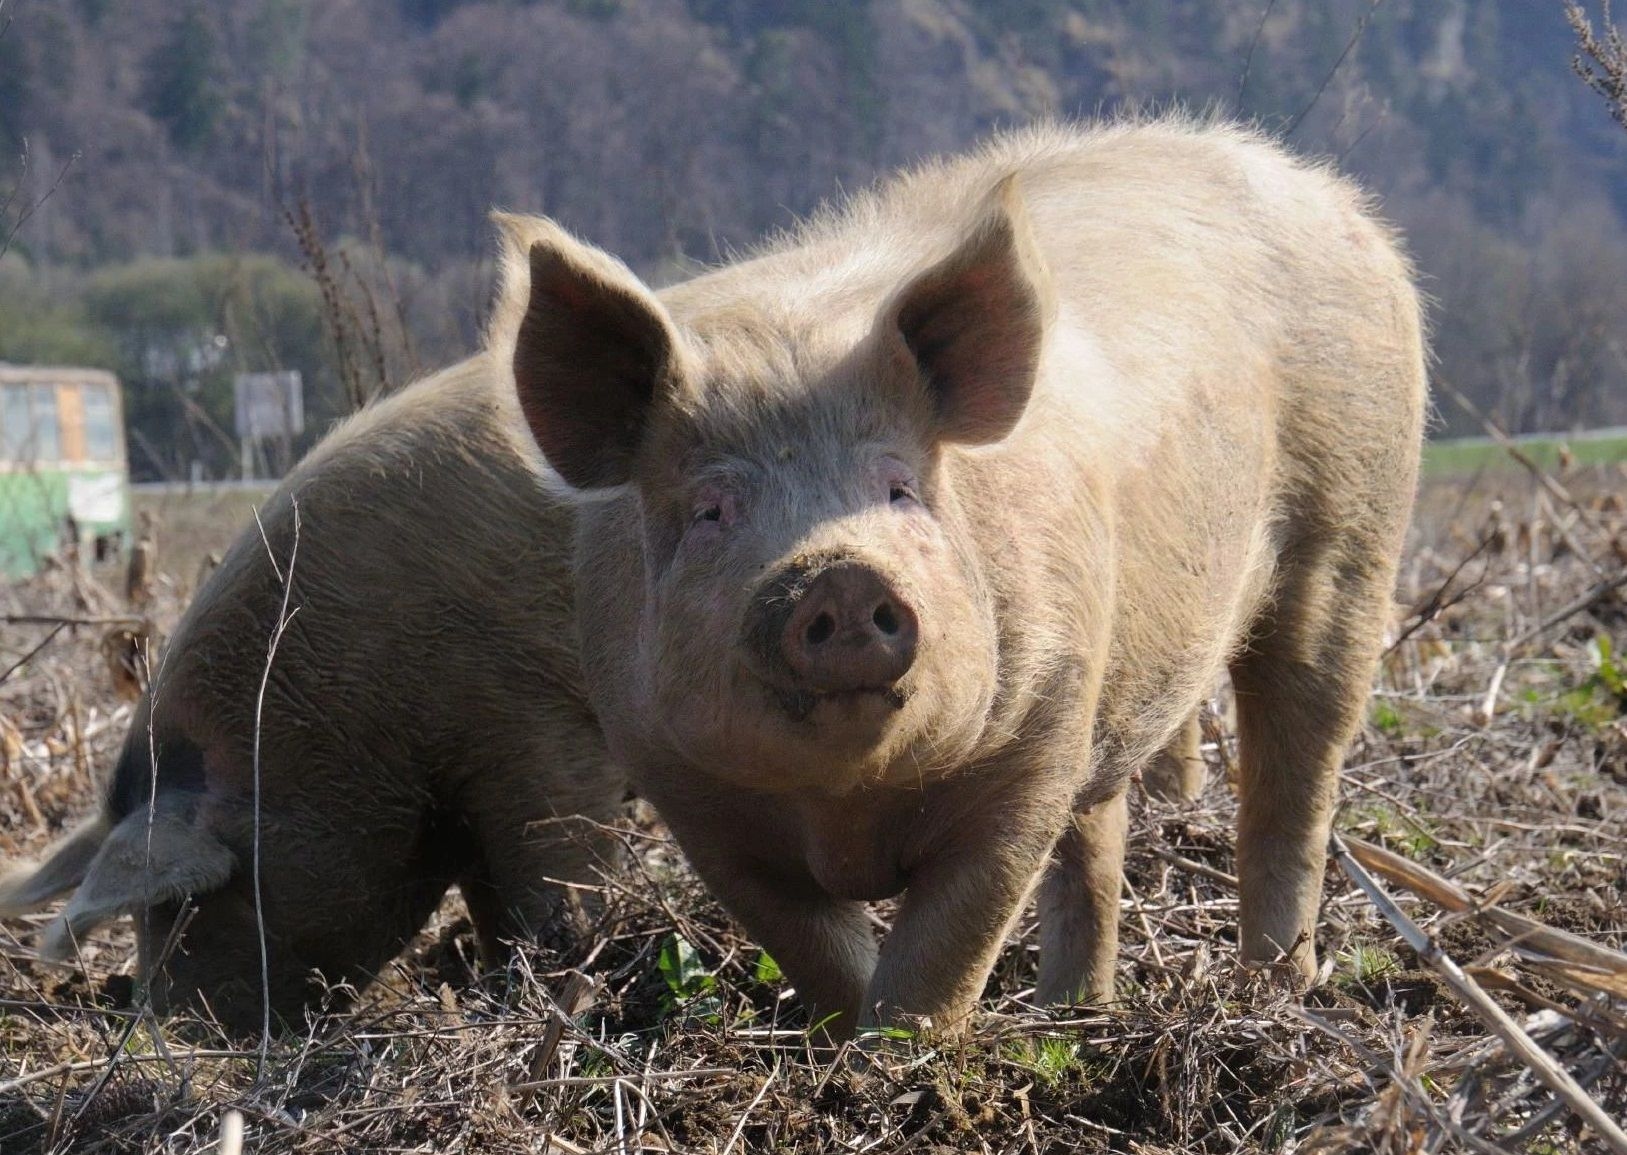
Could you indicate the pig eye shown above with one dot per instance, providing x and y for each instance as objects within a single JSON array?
[
  {"x": 900, "y": 481},
  {"x": 712, "y": 508}
]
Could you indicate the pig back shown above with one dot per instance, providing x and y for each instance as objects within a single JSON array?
[{"x": 430, "y": 634}]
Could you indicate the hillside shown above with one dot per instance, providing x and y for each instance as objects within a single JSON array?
[{"x": 672, "y": 130}]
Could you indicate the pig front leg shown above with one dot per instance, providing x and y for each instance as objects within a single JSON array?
[
  {"x": 743, "y": 851},
  {"x": 824, "y": 945},
  {"x": 956, "y": 914}
]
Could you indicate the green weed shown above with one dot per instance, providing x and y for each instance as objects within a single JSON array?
[
  {"x": 1403, "y": 831},
  {"x": 1386, "y": 718},
  {"x": 691, "y": 988},
  {"x": 1368, "y": 964}
]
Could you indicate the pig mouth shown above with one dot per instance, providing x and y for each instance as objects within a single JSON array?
[
  {"x": 798, "y": 701},
  {"x": 799, "y": 704}
]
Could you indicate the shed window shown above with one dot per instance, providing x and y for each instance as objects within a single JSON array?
[
  {"x": 46, "y": 436},
  {"x": 101, "y": 438},
  {"x": 28, "y": 425},
  {"x": 14, "y": 422}
]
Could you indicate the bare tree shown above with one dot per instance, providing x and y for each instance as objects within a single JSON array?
[
  {"x": 24, "y": 208},
  {"x": 1601, "y": 57}
]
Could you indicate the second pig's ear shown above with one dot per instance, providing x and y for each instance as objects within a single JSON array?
[
  {"x": 590, "y": 349},
  {"x": 974, "y": 325}
]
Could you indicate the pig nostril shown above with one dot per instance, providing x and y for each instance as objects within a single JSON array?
[
  {"x": 820, "y": 630},
  {"x": 886, "y": 619}
]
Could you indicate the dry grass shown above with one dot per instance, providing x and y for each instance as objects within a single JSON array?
[{"x": 686, "y": 1040}]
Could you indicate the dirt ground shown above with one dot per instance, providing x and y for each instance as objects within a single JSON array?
[{"x": 1495, "y": 756}]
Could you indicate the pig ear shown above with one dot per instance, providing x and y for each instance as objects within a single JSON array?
[
  {"x": 589, "y": 347},
  {"x": 975, "y": 324}
]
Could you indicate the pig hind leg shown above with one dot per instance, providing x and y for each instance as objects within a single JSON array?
[
  {"x": 1301, "y": 685},
  {"x": 1176, "y": 772},
  {"x": 536, "y": 830},
  {"x": 529, "y": 909},
  {"x": 1078, "y": 905}
]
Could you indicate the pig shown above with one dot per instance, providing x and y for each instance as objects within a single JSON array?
[
  {"x": 906, "y": 541},
  {"x": 423, "y": 723}
]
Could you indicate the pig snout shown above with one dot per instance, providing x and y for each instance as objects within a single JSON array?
[{"x": 840, "y": 629}]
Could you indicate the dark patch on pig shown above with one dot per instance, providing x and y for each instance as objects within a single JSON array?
[{"x": 180, "y": 767}]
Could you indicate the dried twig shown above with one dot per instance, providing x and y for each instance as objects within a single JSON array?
[
  {"x": 740, "y": 1125},
  {"x": 574, "y": 1000},
  {"x": 23, "y": 661},
  {"x": 1579, "y": 956},
  {"x": 231, "y": 1133},
  {"x": 1253, "y": 44},
  {"x": 1581, "y": 604},
  {"x": 30, "y": 210},
  {"x": 1229, "y": 881},
  {"x": 1488, "y": 704},
  {"x": 1497, "y": 433},
  {"x": 1350, "y": 46},
  {"x": 607, "y": 1080},
  {"x": 68, "y": 620},
  {"x": 335, "y": 314},
  {"x": 81, "y": 1066},
  {"x": 1438, "y": 602}
]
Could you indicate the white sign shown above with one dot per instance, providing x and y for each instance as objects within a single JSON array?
[
  {"x": 268, "y": 405},
  {"x": 96, "y": 499}
]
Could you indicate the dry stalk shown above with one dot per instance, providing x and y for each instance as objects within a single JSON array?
[
  {"x": 24, "y": 660},
  {"x": 231, "y": 1133},
  {"x": 610, "y": 1080},
  {"x": 740, "y": 1126},
  {"x": 68, "y": 620},
  {"x": 1493, "y": 1016},
  {"x": 284, "y": 616},
  {"x": 574, "y": 1000},
  {"x": 1581, "y": 604},
  {"x": 1350, "y": 46},
  {"x": 28, "y": 210},
  {"x": 1253, "y": 46},
  {"x": 1541, "y": 476}
]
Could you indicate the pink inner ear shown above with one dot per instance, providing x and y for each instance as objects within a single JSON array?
[
  {"x": 567, "y": 295},
  {"x": 975, "y": 335},
  {"x": 975, "y": 323},
  {"x": 588, "y": 360},
  {"x": 976, "y": 281}
]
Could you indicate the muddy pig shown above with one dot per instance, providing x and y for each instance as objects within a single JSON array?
[
  {"x": 423, "y": 724},
  {"x": 905, "y": 542}
]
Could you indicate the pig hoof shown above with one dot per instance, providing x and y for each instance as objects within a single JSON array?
[
  {"x": 1295, "y": 975},
  {"x": 880, "y": 1050},
  {"x": 56, "y": 943}
]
